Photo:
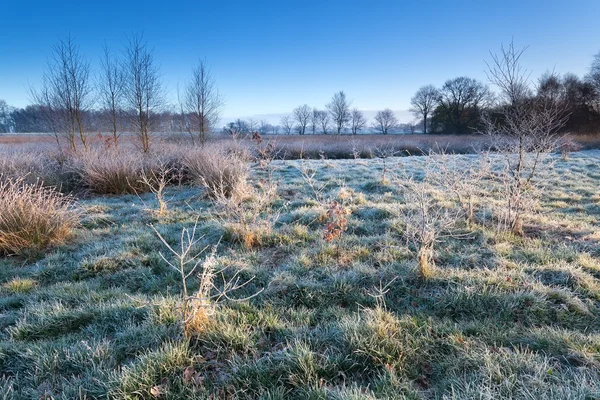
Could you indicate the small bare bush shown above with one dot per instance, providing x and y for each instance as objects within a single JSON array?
[
  {"x": 213, "y": 285},
  {"x": 426, "y": 221},
  {"x": 566, "y": 146},
  {"x": 223, "y": 175},
  {"x": 462, "y": 179},
  {"x": 156, "y": 181},
  {"x": 33, "y": 217}
]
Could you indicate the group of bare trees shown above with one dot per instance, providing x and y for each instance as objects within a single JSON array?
[
  {"x": 127, "y": 91},
  {"x": 337, "y": 117}
]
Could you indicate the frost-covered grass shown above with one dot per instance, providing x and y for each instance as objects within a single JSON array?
[{"x": 502, "y": 317}]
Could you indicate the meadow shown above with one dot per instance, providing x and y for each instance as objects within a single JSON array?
[{"x": 227, "y": 273}]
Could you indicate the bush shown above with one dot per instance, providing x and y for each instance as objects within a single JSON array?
[
  {"x": 33, "y": 217},
  {"x": 223, "y": 175},
  {"x": 38, "y": 166},
  {"x": 113, "y": 171}
]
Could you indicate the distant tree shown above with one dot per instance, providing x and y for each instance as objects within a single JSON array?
[
  {"x": 264, "y": 127},
  {"x": 357, "y": 121},
  {"x": 66, "y": 92},
  {"x": 252, "y": 125},
  {"x": 550, "y": 87},
  {"x": 6, "y": 117},
  {"x": 339, "y": 109},
  {"x": 460, "y": 103},
  {"x": 31, "y": 119},
  {"x": 593, "y": 77},
  {"x": 110, "y": 91},
  {"x": 302, "y": 116},
  {"x": 322, "y": 120},
  {"x": 245, "y": 126},
  {"x": 203, "y": 102},
  {"x": 230, "y": 129},
  {"x": 423, "y": 103},
  {"x": 275, "y": 129},
  {"x": 314, "y": 121},
  {"x": 287, "y": 123},
  {"x": 143, "y": 88},
  {"x": 385, "y": 121},
  {"x": 582, "y": 102}
]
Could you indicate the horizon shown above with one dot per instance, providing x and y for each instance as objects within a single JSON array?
[{"x": 271, "y": 57}]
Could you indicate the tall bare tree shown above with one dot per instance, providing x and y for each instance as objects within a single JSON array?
[
  {"x": 322, "y": 119},
  {"x": 287, "y": 123},
  {"x": 143, "y": 92},
  {"x": 423, "y": 103},
  {"x": 385, "y": 121},
  {"x": 6, "y": 121},
  {"x": 110, "y": 91},
  {"x": 302, "y": 117},
  {"x": 314, "y": 121},
  {"x": 66, "y": 91},
  {"x": 525, "y": 128},
  {"x": 357, "y": 121},
  {"x": 339, "y": 109},
  {"x": 203, "y": 101}
]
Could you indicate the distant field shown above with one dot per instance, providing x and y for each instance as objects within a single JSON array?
[{"x": 329, "y": 146}]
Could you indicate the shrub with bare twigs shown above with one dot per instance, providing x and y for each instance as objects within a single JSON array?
[
  {"x": 525, "y": 129},
  {"x": 426, "y": 221},
  {"x": 214, "y": 286}
]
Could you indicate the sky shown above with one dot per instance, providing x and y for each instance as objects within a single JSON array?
[{"x": 269, "y": 57}]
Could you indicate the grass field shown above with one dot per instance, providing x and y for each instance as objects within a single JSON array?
[
  {"x": 502, "y": 317},
  {"x": 318, "y": 146}
]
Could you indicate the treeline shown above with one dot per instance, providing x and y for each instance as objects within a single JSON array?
[{"x": 126, "y": 94}]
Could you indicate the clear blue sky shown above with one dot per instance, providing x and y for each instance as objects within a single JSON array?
[{"x": 271, "y": 56}]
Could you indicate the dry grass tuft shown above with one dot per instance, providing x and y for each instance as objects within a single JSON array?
[
  {"x": 111, "y": 171},
  {"x": 223, "y": 175},
  {"x": 33, "y": 216}
]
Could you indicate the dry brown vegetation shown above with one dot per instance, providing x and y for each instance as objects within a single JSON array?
[{"x": 33, "y": 217}]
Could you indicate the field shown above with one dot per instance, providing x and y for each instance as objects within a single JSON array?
[
  {"x": 501, "y": 316},
  {"x": 329, "y": 146}
]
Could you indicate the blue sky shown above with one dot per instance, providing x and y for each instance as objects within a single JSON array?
[{"x": 271, "y": 56}]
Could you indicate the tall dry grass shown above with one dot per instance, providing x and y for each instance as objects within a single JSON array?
[
  {"x": 223, "y": 174},
  {"x": 33, "y": 217},
  {"x": 121, "y": 171}
]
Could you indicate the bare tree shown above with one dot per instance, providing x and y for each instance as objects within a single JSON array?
[
  {"x": 357, "y": 121},
  {"x": 385, "y": 121},
  {"x": 525, "y": 129},
  {"x": 287, "y": 123},
  {"x": 423, "y": 103},
  {"x": 322, "y": 118},
  {"x": 461, "y": 101},
  {"x": 110, "y": 90},
  {"x": 143, "y": 88},
  {"x": 339, "y": 108},
  {"x": 66, "y": 91},
  {"x": 6, "y": 121},
  {"x": 314, "y": 121},
  {"x": 302, "y": 116},
  {"x": 203, "y": 102}
]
